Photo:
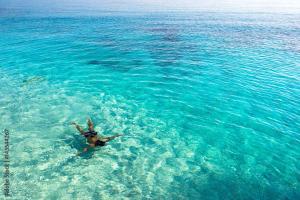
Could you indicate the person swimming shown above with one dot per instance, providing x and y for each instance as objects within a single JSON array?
[{"x": 92, "y": 136}]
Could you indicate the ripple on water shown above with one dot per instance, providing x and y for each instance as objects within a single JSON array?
[{"x": 208, "y": 106}]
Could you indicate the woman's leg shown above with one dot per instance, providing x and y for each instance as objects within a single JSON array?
[{"x": 106, "y": 139}]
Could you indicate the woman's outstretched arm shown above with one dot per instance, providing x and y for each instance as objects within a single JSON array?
[
  {"x": 90, "y": 124},
  {"x": 79, "y": 128}
]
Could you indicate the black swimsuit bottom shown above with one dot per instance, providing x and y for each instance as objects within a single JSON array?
[{"x": 99, "y": 143}]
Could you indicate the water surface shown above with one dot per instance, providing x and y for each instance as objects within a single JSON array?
[{"x": 209, "y": 104}]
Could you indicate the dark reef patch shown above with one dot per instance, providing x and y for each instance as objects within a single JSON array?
[
  {"x": 93, "y": 62},
  {"x": 110, "y": 64}
]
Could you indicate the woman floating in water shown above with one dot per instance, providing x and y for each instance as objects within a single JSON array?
[{"x": 92, "y": 136}]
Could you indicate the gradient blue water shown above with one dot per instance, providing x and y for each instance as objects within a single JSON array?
[{"x": 209, "y": 104}]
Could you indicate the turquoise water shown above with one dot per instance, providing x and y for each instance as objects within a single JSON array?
[{"x": 209, "y": 105}]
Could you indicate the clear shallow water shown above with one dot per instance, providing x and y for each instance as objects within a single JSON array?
[{"x": 209, "y": 104}]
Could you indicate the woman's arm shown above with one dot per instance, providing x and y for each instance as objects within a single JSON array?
[{"x": 78, "y": 127}]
